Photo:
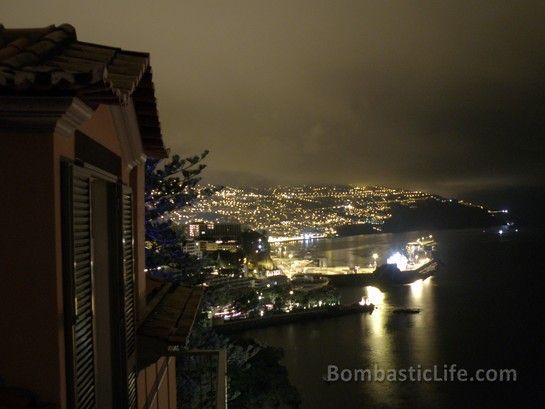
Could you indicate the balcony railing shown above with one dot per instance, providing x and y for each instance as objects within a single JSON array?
[{"x": 202, "y": 379}]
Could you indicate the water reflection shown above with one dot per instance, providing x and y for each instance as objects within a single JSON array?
[
  {"x": 420, "y": 291},
  {"x": 379, "y": 346},
  {"x": 397, "y": 340},
  {"x": 376, "y": 320},
  {"x": 416, "y": 290},
  {"x": 374, "y": 295}
]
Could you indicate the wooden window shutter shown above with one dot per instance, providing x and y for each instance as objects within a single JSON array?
[
  {"x": 78, "y": 288},
  {"x": 129, "y": 305}
]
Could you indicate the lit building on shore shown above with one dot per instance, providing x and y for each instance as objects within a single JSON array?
[
  {"x": 213, "y": 231},
  {"x": 192, "y": 248}
]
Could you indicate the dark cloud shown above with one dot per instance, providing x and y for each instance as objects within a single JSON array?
[{"x": 446, "y": 96}]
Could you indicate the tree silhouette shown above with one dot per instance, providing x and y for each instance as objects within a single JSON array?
[{"x": 171, "y": 184}]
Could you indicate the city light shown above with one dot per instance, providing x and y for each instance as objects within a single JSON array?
[{"x": 287, "y": 213}]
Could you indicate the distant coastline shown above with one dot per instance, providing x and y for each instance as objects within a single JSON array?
[{"x": 326, "y": 211}]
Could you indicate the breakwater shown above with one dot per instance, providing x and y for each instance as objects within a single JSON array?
[{"x": 288, "y": 318}]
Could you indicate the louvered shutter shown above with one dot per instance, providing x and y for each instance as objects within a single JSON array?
[
  {"x": 129, "y": 308},
  {"x": 79, "y": 288}
]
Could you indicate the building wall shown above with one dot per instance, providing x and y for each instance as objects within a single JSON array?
[
  {"x": 101, "y": 128},
  {"x": 32, "y": 350},
  {"x": 63, "y": 148},
  {"x": 157, "y": 385},
  {"x": 31, "y": 340}
]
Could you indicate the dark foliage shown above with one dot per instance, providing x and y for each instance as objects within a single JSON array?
[{"x": 171, "y": 185}]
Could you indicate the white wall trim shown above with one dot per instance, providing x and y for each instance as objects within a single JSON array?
[
  {"x": 126, "y": 123},
  {"x": 76, "y": 114}
]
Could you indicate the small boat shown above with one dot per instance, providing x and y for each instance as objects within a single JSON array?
[{"x": 407, "y": 310}]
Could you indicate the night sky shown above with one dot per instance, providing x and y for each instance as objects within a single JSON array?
[{"x": 446, "y": 96}]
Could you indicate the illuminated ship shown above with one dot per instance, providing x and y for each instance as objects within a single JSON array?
[{"x": 417, "y": 263}]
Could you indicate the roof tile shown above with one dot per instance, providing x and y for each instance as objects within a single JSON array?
[{"x": 50, "y": 59}]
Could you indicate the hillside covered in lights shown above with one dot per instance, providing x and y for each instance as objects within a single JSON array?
[{"x": 290, "y": 211}]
